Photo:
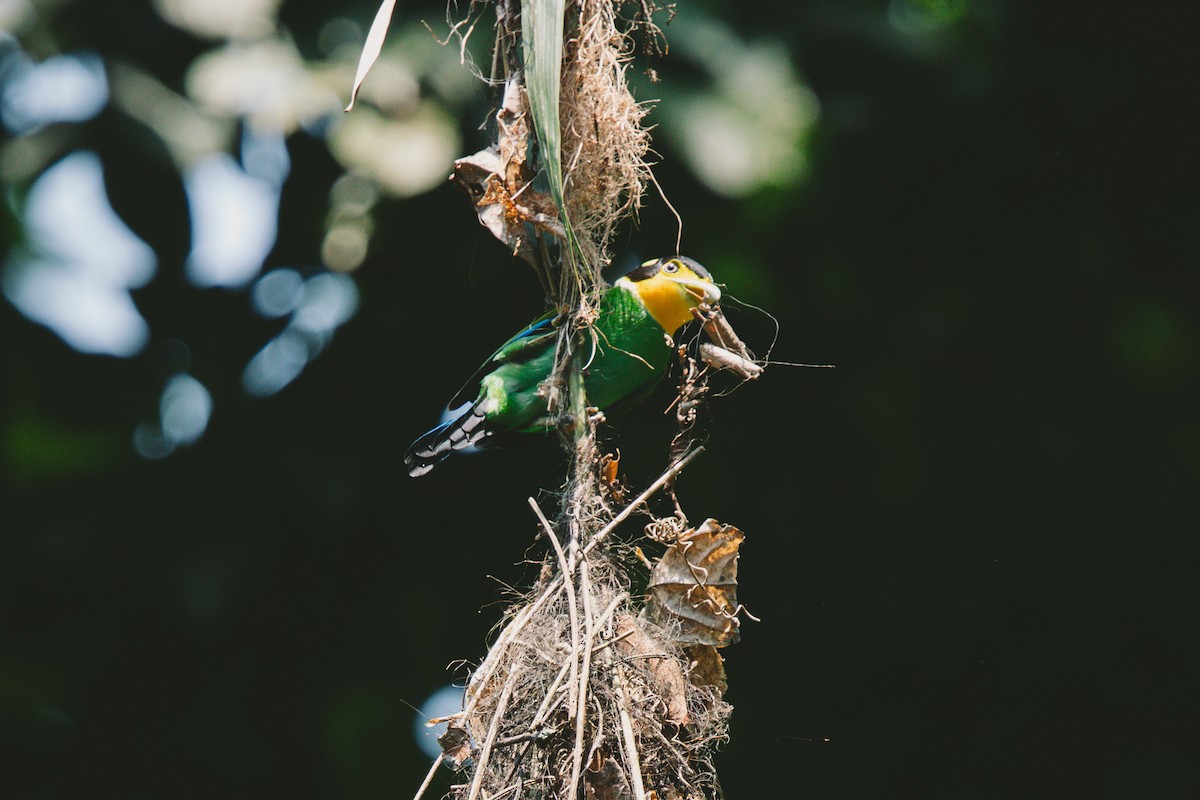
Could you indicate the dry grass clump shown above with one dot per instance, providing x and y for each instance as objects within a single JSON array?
[
  {"x": 590, "y": 690},
  {"x": 605, "y": 145},
  {"x": 579, "y": 693}
]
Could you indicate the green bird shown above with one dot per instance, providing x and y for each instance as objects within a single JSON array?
[{"x": 638, "y": 314}]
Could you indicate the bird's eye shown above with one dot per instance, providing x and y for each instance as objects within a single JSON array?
[{"x": 671, "y": 266}]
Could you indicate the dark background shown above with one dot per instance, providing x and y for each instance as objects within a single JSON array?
[{"x": 972, "y": 545}]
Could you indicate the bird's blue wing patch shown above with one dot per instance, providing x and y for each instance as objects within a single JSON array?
[{"x": 529, "y": 342}]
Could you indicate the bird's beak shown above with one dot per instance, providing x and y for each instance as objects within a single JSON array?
[{"x": 704, "y": 291}]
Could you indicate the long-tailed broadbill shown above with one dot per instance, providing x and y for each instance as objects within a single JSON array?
[{"x": 631, "y": 351}]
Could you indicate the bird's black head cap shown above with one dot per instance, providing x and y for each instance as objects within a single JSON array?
[{"x": 651, "y": 268}]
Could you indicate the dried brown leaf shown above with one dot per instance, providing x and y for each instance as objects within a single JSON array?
[
  {"x": 670, "y": 683},
  {"x": 498, "y": 179},
  {"x": 693, "y": 587},
  {"x": 708, "y": 667},
  {"x": 456, "y": 745},
  {"x": 608, "y": 782}
]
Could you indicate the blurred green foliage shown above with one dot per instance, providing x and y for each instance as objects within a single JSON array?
[{"x": 972, "y": 544}]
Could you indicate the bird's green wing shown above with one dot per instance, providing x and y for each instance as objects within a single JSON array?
[{"x": 530, "y": 342}]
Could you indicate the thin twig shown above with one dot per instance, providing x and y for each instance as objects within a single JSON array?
[
  {"x": 490, "y": 664},
  {"x": 721, "y": 358},
  {"x": 663, "y": 479},
  {"x": 516, "y": 787},
  {"x": 584, "y": 676},
  {"x": 433, "y": 768},
  {"x": 614, "y": 640},
  {"x": 485, "y": 752},
  {"x": 631, "y": 746},
  {"x": 721, "y": 332},
  {"x": 529, "y": 736},
  {"x": 569, "y": 584},
  {"x": 548, "y": 702},
  {"x": 605, "y": 617}
]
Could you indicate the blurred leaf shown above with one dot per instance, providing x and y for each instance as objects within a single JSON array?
[
  {"x": 372, "y": 48},
  {"x": 40, "y": 450},
  {"x": 1152, "y": 340},
  {"x": 542, "y": 33}
]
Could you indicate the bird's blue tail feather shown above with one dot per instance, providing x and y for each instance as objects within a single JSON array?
[{"x": 466, "y": 428}]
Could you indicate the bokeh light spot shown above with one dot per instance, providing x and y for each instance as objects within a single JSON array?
[
  {"x": 329, "y": 300},
  {"x": 276, "y": 365},
  {"x": 1154, "y": 340},
  {"x": 265, "y": 82},
  {"x": 925, "y": 16},
  {"x": 89, "y": 316},
  {"x": 748, "y": 131},
  {"x": 407, "y": 157},
  {"x": 65, "y": 88},
  {"x": 345, "y": 246},
  {"x": 82, "y": 260},
  {"x": 16, "y": 16},
  {"x": 234, "y": 222},
  {"x": 277, "y": 293},
  {"x": 185, "y": 409},
  {"x": 150, "y": 443},
  {"x": 265, "y": 155},
  {"x": 71, "y": 221},
  {"x": 341, "y": 33},
  {"x": 221, "y": 18},
  {"x": 353, "y": 195},
  {"x": 319, "y": 306},
  {"x": 183, "y": 414}
]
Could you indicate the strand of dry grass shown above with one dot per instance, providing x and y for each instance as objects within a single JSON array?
[
  {"x": 485, "y": 752},
  {"x": 630, "y": 738},
  {"x": 569, "y": 585},
  {"x": 584, "y": 678}
]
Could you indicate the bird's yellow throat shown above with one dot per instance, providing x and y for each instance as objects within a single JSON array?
[{"x": 669, "y": 301}]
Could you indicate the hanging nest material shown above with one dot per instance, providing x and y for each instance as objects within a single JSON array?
[
  {"x": 581, "y": 692},
  {"x": 604, "y": 148},
  {"x": 589, "y": 690},
  {"x": 605, "y": 145}
]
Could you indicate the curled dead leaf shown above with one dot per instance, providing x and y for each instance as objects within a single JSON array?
[
  {"x": 498, "y": 180},
  {"x": 693, "y": 587},
  {"x": 456, "y": 745},
  {"x": 707, "y": 667},
  {"x": 609, "y": 482}
]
